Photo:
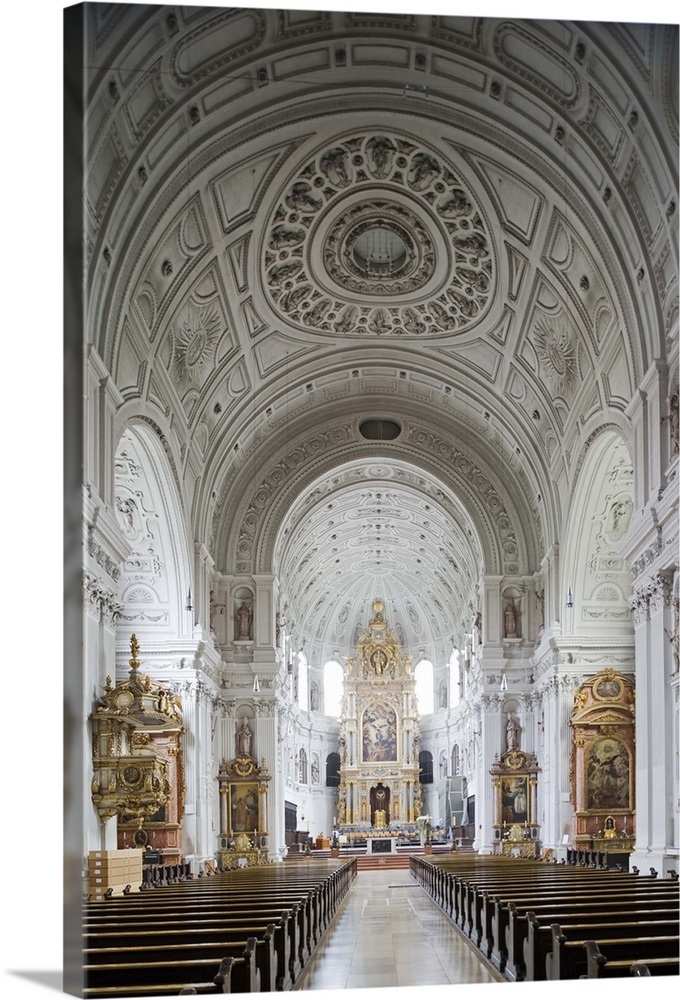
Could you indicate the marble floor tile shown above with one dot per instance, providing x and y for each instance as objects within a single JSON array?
[{"x": 390, "y": 933}]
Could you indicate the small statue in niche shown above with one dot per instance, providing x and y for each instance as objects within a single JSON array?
[
  {"x": 314, "y": 698},
  {"x": 280, "y": 622},
  {"x": 315, "y": 771},
  {"x": 244, "y": 738},
  {"x": 510, "y": 620},
  {"x": 477, "y": 625},
  {"x": 673, "y": 418},
  {"x": 512, "y": 732},
  {"x": 244, "y": 617},
  {"x": 675, "y": 637},
  {"x": 540, "y": 596}
]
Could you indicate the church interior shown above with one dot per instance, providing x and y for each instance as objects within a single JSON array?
[{"x": 378, "y": 356}]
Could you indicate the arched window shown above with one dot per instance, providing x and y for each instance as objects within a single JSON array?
[
  {"x": 332, "y": 770},
  {"x": 303, "y": 767},
  {"x": 454, "y": 678},
  {"x": 455, "y": 760},
  {"x": 426, "y": 767},
  {"x": 332, "y": 688},
  {"x": 303, "y": 682},
  {"x": 424, "y": 675}
]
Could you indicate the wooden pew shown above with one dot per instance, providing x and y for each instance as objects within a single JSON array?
[
  {"x": 651, "y": 967},
  {"x": 509, "y": 928},
  {"x": 251, "y": 940},
  {"x": 168, "y": 977},
  {"x": 184, "y": 945},
  {"x": 125, "y": 933},
  {"x": 618, "y": 907},
  {"x": 526, "y": 961},
  {"x": 569, "y": 956},
  {"x": 479, "y": 897}
]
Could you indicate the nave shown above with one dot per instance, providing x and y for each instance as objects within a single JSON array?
[{"x": 388, "y": 933}]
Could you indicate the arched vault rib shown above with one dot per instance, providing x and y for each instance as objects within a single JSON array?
[{"x": 369, "y": 529}]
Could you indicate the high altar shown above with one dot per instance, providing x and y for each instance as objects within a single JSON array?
[{"x": 379, "y": 771}]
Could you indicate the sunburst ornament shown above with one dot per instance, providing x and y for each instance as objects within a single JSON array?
[
  {"x": 195, "y": 342},
  {"x": 556, "y": 354}
]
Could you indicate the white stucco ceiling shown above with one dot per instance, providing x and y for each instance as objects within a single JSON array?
[{"x": 528, "y": 171}]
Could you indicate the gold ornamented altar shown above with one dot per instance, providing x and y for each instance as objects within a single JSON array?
[
  {"x": 244, "y": 789},
  {"x": 379, "y": 770},
  {"x": 137, "y": 765},
  {"x": 603, "y": 762}
]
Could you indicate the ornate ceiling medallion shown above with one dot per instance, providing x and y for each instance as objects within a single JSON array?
[
  {"x": 377, "y": 235},
  {"x": 556, "y": 354}
]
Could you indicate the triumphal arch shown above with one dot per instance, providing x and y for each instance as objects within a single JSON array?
[{"x": 379, "y": 793}]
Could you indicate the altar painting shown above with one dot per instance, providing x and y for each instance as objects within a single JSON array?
[
  {"x": 379, "y": 733},
  {"x": 243, "y": 807},
  {"x": 608, "y": 775},
  {"x": 514, "y": 799}
]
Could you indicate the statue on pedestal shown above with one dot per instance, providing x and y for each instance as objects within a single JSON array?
[
  {"x": 244, "y": 617},
  {"x": 512, "y": 733},
  {"x": 244, "y": 738}
]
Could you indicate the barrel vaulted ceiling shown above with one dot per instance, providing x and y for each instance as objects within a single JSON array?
[{"x": 298, "y": 221}]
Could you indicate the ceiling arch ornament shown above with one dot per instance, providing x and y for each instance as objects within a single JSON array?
[
  {"x": 588, "y": 212},
  {"x": 578, "y": 57},
  {"x": 376, "y": 527},
  {"x": 436, "y": 271},
  {"x": 599, "y": 518},
  {"x": 247, "y": 520}
]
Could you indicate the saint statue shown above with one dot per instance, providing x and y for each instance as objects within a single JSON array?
[
  {"x": 673, "y": 417},
  {"x": 244, "y": 738},
  {"x": 244, "y": 617},
  {"x": 510, "y": 620},
  {"x": 512, "y": 732}
]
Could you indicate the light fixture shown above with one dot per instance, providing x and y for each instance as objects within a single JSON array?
[
  {"x": 570, "y": 598},
  {"x": 256, "y": 685},
  {"x": 190, "y": 606},
  {"x": 504, "y": 682}
]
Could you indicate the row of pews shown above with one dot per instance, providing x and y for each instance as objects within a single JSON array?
[
  {"x": 242, "y": 931},
  {"x": 539, "y": 921}
]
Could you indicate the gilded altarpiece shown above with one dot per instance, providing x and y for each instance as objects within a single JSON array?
[
  {"x": 244, "y": 810},
  {"x": 379, "y": 771},
  {"x": 515, "y": 782},
  {"x": 603, "y": 762},
  {"x": 138, "y": 770}
]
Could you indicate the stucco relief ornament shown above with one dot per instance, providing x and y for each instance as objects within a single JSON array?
[
  {"x": 556, "y": 354},
  {"x": 421, "y": 234},
  {"x": 195, "y": 341}
]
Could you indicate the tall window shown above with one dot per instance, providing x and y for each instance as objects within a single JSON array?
[
  {"x": 426, "y": 767},
  {"x": 454, "y": 678},
  {"x": 455, "y": 759},
  {"x": 332, "y": 770},
  {"x": 424, "y": 675},
  {"x": 332, "y": 688},
  {"x": 303, "y": 682}
]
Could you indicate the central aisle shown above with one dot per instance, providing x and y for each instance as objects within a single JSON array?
[{"x": 390, "y": 933}]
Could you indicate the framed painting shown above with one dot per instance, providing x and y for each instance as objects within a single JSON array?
[
  {"x": 514, "y": 799},
  {"x": 608, "y": 775},
  {"x": 244, "y": 807},
  {"x": 379, "y": 733}
]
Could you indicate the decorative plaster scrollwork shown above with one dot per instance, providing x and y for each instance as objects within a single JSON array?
[
  {"x": 660, "y": 592},
  {"x": 427, "y": 235},
  {"x": 100, "y": 601},
  {"x": 639, "y": 605},
  {"x": 102, "y": 557}
]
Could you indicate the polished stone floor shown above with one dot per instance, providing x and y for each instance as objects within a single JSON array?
[{"x": 390, "y": 933}]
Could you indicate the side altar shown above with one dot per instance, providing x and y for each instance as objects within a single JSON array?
[
  {"x": 379, "y": 793},
  {"x": 244, "y": 806}
]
